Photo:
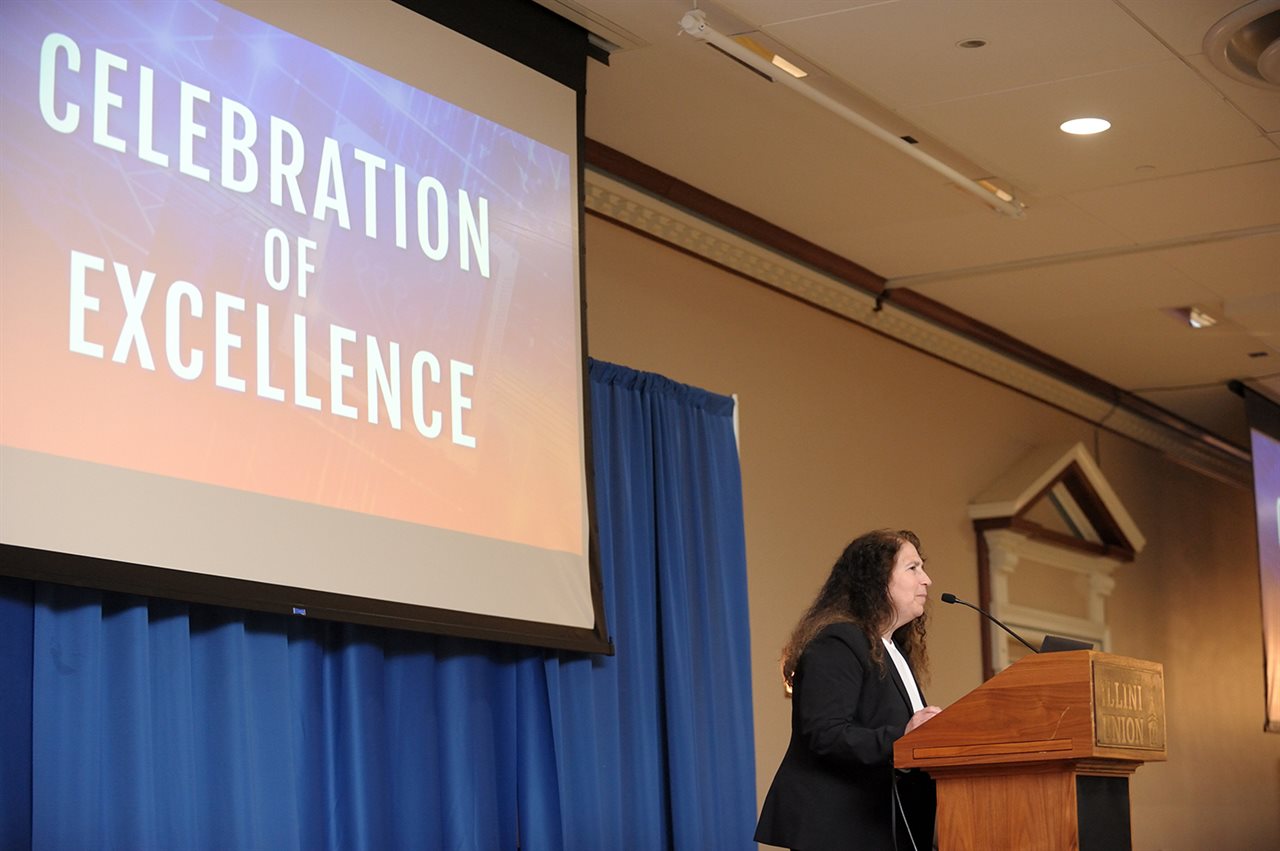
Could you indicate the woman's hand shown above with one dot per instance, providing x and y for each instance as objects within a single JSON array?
[{"x": 922, "y": 716}]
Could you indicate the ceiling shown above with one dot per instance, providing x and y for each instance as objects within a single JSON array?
[{"x": 1178, "y": 204}]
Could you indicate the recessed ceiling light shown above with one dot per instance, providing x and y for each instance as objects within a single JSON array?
[
  {"x": 1245, "y": 45},
  {"x": 1084, "y": 126}
]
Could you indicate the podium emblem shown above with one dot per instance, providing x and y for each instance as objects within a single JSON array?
[{"x": 1128, "y": 706}]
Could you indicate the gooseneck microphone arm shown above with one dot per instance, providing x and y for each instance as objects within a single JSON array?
[{"x": 952, "y": 598}]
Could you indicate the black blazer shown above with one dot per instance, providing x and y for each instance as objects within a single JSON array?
[{"x": 834, "y": 788}]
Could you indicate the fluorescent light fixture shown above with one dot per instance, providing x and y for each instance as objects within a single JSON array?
[
  {"x": 1085, "y": 126},
  {"x": 1195, "y": 315},
  {"x": 1198, "y": 318},
  {"x": 761, "y": 60},
  {"x": 769, "y": 56},
  {"x": 987, "y": 184},
  {"x": 793, "y": 70}
]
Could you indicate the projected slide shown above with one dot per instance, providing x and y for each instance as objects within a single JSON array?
[
  {"x": 1266, "y": 471},
  {"x": 271, "y": 314},
  {"x": 1266, "y": 485}
]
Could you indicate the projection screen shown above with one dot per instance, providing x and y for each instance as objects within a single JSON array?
[
  {"x": 290, "y": 314},
  {"x": 1264, "y": 431}
]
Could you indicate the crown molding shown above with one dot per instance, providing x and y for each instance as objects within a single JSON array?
[{"x": 692, "y": 222}]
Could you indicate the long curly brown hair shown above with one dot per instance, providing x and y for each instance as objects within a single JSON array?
[{"x": 857, "y": 592}]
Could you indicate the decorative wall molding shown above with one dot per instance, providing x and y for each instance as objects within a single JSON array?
[
  {"x": 1086, "y": 537},
  {"x": 701, "y": 236},
  {"x": 1009, "y": 547},
  {"x": 1007, "y": 550}
]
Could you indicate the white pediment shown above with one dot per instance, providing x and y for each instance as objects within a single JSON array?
[{"x": 1069, "y": 475}]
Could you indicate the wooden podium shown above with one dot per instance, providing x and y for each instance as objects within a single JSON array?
[{"x": 1038, "y": 758}]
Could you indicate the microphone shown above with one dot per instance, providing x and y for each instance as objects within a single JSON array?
[{"x": 952, "y": 598}]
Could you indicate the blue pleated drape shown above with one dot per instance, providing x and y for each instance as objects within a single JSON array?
[{"x": 128, "y": 723}]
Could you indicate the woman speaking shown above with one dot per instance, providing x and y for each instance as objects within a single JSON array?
[{"x": 851, "y": 663}]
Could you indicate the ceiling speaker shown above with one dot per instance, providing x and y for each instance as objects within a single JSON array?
[{"x": 1245, "y": 45}]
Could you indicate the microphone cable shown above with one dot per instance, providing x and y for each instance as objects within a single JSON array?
[{"x": 897, "y": 799}]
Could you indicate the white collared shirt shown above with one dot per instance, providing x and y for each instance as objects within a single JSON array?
[{"x": 899, "y": 662}]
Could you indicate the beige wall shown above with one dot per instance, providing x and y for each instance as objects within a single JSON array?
[{"x": 843, "y": 430}]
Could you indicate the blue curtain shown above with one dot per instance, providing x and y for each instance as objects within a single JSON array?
[{"x": 128, "y": 723}]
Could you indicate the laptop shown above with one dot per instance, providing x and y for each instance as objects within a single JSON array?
[{"x": 1056, "y": 643}]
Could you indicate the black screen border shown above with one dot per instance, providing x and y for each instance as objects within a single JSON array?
[{"x": 1262, "y": 413}]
